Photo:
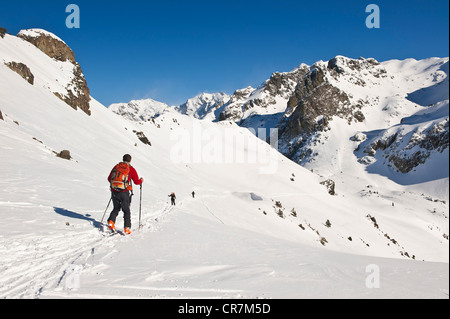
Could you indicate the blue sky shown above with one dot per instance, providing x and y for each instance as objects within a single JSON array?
[{"x": 173, "y": 50}]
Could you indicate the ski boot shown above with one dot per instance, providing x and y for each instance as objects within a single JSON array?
[{"x": 111, "y": 226}]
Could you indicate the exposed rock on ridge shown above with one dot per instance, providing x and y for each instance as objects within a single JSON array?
[
  {"x": 22, "y": 70},
  {"x": 78, "y": 94},
  {"x": 49, "y": 44}
]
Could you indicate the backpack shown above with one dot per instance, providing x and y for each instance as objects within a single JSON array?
[{"x": 119, "y": 177}]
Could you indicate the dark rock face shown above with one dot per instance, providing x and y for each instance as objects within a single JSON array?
[
  {"x": 404, "y": 150},
  {"x": 141, "y": 136},
  {"x": 310, "y": 109},
  {"x": 51, "y": 46},
  {"x": 436, "y": 138},
  {"x": 315, "y": 102},
  {"x": 233, "y": 110},
  {"x": 330, "y": 185},
  {"x": 22, "y": 70},
  {"x": 65, "y": 154},
  {"x": 78, "y": 94},
  {"x": 280, "y": 84},
  {"x": 2, "y": 32},
  {"x": 1, "y": 116},
  {"x": 337, "y": 64}
]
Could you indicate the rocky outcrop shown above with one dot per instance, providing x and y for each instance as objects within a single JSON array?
[
  {"x": 1, "y": 116},
  {"x": 420, "y": 147},
  {"x": 49, "y": 44},
  {"x": 340, "y": 64},
  {"x": 314, "y": 103},
  {"x": 233, "y": 110},
  {"x": 282, "y": 84},
  {"x": 330, "y": 185},
  {"x": 141, "y": 136},
  {"x": 77, "y": 93},
  {"x": 2, "y": 32},
  {"x": 65, "y": 154},
  {"x": 22, "y": 70},
  {"x": 409, "y": 144}
]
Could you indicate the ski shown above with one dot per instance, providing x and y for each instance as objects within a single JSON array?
[
  {"x": 112, "y": 233},
  {"x": 116, "y": 232},
  {"x": 107, "y": 232}
]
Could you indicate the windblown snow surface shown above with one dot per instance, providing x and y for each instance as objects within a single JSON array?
[{"x": 260, "y": 226}]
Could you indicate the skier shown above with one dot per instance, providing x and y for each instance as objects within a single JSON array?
[
  {"x": 172, "y": 198},
  {"x": 120, "y": 181},
  {"x": 193, "y": 194}
]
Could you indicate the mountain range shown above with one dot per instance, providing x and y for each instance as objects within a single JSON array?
[{"x": 390, "y": 117}]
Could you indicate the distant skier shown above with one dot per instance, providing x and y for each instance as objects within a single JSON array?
[
  {"x": 193, "y": 194},
  {"x": 172, "y": 198},
  {"x": 120, "y": 182}
]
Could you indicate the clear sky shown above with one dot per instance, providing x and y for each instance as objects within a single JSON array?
[{"x": 173, "y": 50}]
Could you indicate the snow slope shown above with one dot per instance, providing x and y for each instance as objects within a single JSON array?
[{"x": 257, "y": 227}]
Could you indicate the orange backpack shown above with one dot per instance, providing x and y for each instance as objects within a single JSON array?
[{"x": 119, "y": 177}]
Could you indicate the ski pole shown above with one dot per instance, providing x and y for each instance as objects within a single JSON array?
[
  {"x": 109, "y": 203},
  {"x": 140, "y": 209}
]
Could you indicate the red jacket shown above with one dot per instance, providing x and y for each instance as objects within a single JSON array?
[{"x": 133, "y": 175}]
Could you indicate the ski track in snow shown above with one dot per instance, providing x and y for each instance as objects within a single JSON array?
[
  {"x": 36, "y": 263},
  {"x": 31, "y": 264},
  {"x": 163, "y": 283}
]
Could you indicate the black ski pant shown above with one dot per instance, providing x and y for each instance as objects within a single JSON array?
[{"x": 121, "y": 201}]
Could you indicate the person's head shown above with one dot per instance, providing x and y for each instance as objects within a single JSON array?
[{"x": 127, "y": 158}]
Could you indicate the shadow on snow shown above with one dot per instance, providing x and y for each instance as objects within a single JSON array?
[{"x": 70, "y": 214}]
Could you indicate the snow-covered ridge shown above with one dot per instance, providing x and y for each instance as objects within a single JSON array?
[
  {"x": 366, "y": 94},
  {"x": 141, "y": 110},
  {"x": 34, "y": 33},
  {"x": 204, "y": 105}
]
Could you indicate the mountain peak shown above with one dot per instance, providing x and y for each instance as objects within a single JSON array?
[
  {"x": 203, "y": 104},
  {"x": 140, "y": 110},
  {"x": 36, "y": 33},
  {"x": 341, "y": 63}
]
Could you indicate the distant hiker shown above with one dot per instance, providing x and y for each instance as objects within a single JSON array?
[
  {"x": 120, "y": 182},
  {"x": 172, "y": 198},
  {"x": 193, "y": 194}
]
